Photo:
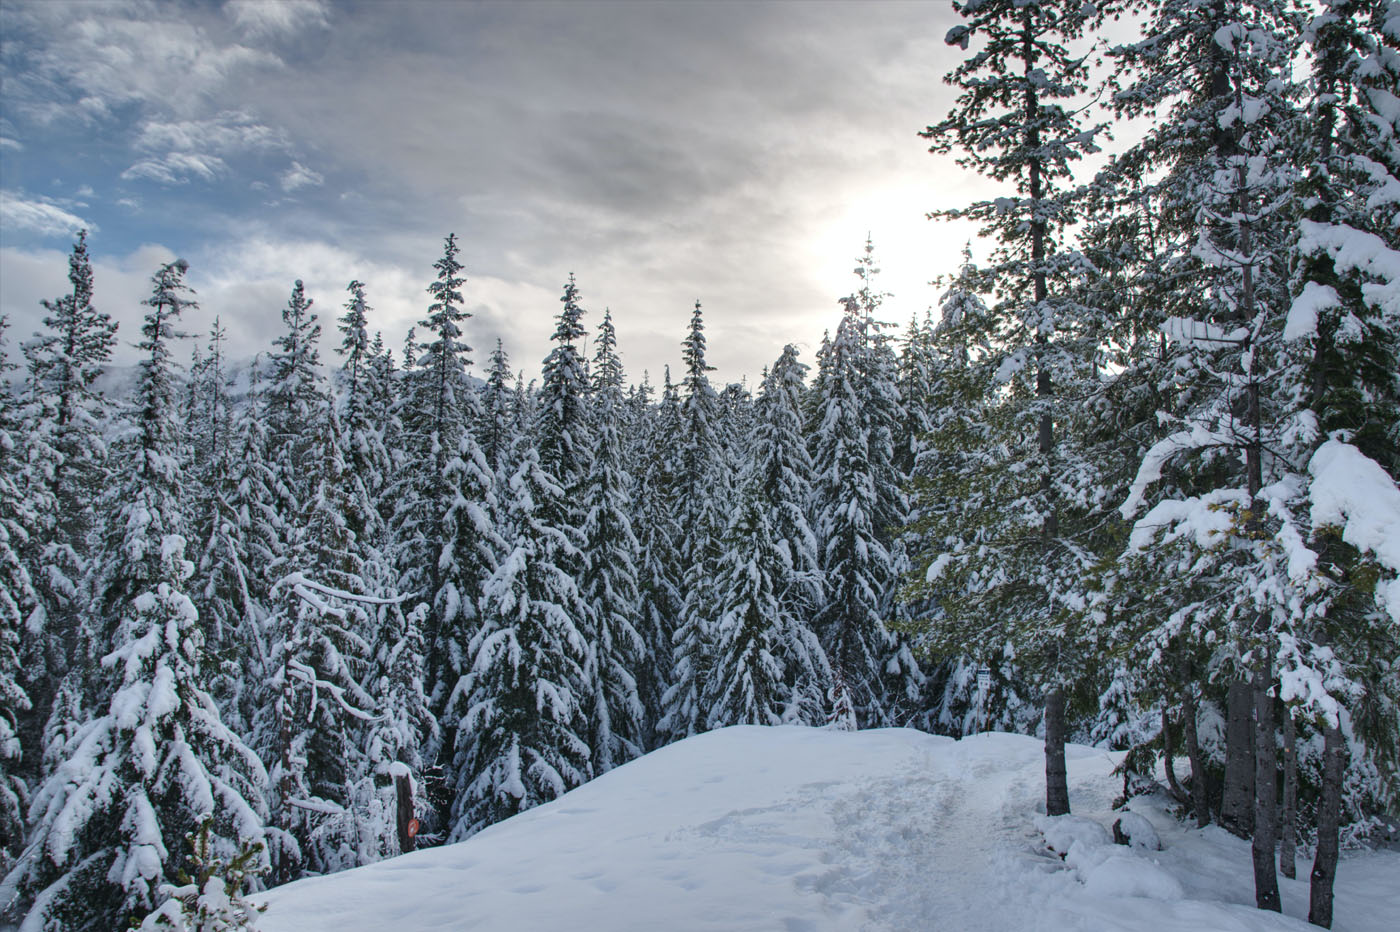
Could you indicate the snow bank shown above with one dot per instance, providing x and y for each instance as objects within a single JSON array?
[{"x": 806, "y": 830}]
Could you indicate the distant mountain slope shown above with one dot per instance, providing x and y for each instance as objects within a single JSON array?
[{"x": 800, "y": 830}]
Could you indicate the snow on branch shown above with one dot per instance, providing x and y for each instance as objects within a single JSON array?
[
  {"x": 1351, "y": 491},
  {"x": 1355, "y": 250},
  {"x": 1201, "y": 335},
  {"x": 300, "y": 671},
  {"x": 322, "y": 806},
  {"x": 300, "y": 581},
  {"x": 1196, "y": 437}
]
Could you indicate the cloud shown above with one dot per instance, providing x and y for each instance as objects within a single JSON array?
[
  {"x": 38, "y": 216},
  {"x": 273, "y": 18},
  {"x": 299, "y": 176},
  {"x": 176, "y": 168},
  {"x": 7, "y": 143},
  {"x": 229, "y": 131},
  {"x": 87, "y": 60}
]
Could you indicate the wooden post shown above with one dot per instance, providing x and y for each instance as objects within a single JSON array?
[{"x": 403, "y": 790}]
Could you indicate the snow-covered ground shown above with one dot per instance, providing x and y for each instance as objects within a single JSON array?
[{"x": 800, "y": 830}]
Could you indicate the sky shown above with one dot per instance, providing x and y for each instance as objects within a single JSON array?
[{"x": 663, "y": 151}]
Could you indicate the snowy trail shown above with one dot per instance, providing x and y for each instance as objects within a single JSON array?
[{"x": 807, "y": 830}]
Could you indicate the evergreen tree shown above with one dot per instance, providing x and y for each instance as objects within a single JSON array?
[
  {"x": 441, "y": 534},
  {"x": 655, "y": 447},
  {"x": 746, "y": 681},
  {"x": 18, "y": 601},
  {"x": 524, "y": 714},
  {"x": 66, "y": 472},
  {"x": 293, "y": 401},
  {"x": 561, "y": 425},
  {"x": 697, "y": 479},
  {"x": 495, "y": 435},
  {"x": 856, "y": 566},
  {"x": 781, "y": 467},
  {"x": 1014, "y": 122},
  {"x": 609, "y": 582},
  {"x": 155, "y": 757}
]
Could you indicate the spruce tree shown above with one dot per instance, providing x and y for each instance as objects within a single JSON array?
[
  {"x": 655, "y": 448},
  {"x": 609, "y": 582},
  {"x": 697, "y": 480},
  {"x": 523, "y": 730},
  {"x": 66, "y": 471},
  {"x": 18, "y": 601},
  {"x": 781, "y": 470},
  {"x": 154, "y": 758},
  {"x": 1014, "y": 122}
]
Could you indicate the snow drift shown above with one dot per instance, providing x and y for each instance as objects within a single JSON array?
[{"x": 800, "y": 830}]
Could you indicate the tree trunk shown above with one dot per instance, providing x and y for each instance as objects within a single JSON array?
[
  {"x": 1265, "y": 790},
  {"x": 1168, "y": 762},
  {"x": 1288, "y": 830},
  {"x": 403, "y": 791},
  {"x": 1329, "y": 818},
  {"x": 1199, "y": 801},
  {"x": 1237, "y": 803},
  {"x": 1056, "y": 782}
]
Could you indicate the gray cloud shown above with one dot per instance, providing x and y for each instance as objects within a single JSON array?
[
  {"x": 262, "y": 18},
  {"x": 738, "y": 153}
]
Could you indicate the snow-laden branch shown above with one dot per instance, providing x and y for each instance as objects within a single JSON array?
[
  {"x": 300, "y": 671},
  {"x": 1355, "y": 250},
  {"x": 1351, "y": 491},
  {"x": 1195, "y": 437},
  {"x": 1200, "y": 334},
  {"x": 304, "y": 587},
  {"x": 322, "y": 806}
]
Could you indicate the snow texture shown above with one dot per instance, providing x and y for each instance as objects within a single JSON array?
[{"x": 788, "y": 828}]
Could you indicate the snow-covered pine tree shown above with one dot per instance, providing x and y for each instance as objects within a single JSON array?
[
  {"x": 310, "y": 716},
  {"x": 359, "y": 395},
  {"x": 18, "y": 600},
  {"x": 609, "y": 582},
  {"x": 245, "y": 534},
  {"x": 958, "y": 392},
  {"x": 524, "y": 731},
  {"x": 655, "y": 446},
  {"x": 293, "y": 401},
  {"x": 701, "y": 526},
  {"x": 1348, "y": 262},
  {"x": 781, "y": 471},
  {"x": 495, "y": 434},
  {"x": 1014, "y": 122},
  {"x": 154, "y": 758},
  {"x": 440, "y": 527},
  {"x": 65, "y": 420},
  {"x": 561, "y": 418},
  {"x": 208, "y": 430},
  {"x": 857, "y": 571}
]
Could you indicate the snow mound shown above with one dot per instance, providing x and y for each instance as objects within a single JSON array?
[
  {"x": 806, "y": 830},
  {"x": 1137, "y": 830}
]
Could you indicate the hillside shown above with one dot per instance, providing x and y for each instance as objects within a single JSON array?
[{"x": 801, "y": 830}]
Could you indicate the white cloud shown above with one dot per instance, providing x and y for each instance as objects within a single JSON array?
[
  {"x": 277, "y": 17},
  {"x": 229, "y": 131},
  {"x": 7, "y": 143},
  {"x": 177, "y": 168},
  {"x": 104, "y": 55},
  {"x": 299, "y": 176},
  {"x": 38, "y": 216}
]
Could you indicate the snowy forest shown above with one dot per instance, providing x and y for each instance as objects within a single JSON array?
[{"x": 1133, "y": 483}]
